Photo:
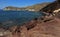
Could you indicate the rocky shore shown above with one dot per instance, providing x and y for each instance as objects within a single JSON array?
[
  {"x": 48, "y": 26},
  {"x": 45, "y": 26}
]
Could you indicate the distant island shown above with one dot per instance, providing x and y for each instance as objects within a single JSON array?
[{"x": 36, "y": 7}]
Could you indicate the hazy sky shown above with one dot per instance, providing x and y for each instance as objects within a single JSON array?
[{"x": 20, "y": 3}]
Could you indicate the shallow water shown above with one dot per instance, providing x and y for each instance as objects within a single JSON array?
[{"x": 17, "y": 17}]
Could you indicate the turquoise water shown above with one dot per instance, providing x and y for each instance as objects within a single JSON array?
[{"x": 17, "y": 17}]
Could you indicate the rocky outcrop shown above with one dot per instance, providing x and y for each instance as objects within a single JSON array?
[{"x": 50, "y": 8}]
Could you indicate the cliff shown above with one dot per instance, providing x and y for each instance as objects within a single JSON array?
[
  {"x": 36, "y": 7},
  {"x": 52, "y": 7}
]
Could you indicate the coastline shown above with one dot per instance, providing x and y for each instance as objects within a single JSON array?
[{"x": 45, "y": 26}]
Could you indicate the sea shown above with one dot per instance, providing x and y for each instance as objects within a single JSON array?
[{"x": 10, "y": 18}]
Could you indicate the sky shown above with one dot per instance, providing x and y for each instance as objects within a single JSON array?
[{"x": 20, "y": 3}]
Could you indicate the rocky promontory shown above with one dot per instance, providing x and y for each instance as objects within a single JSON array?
[{"x": 36, "y": 7}]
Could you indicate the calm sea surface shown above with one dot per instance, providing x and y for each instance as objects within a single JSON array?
[{"x": 17, "y": 17}]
